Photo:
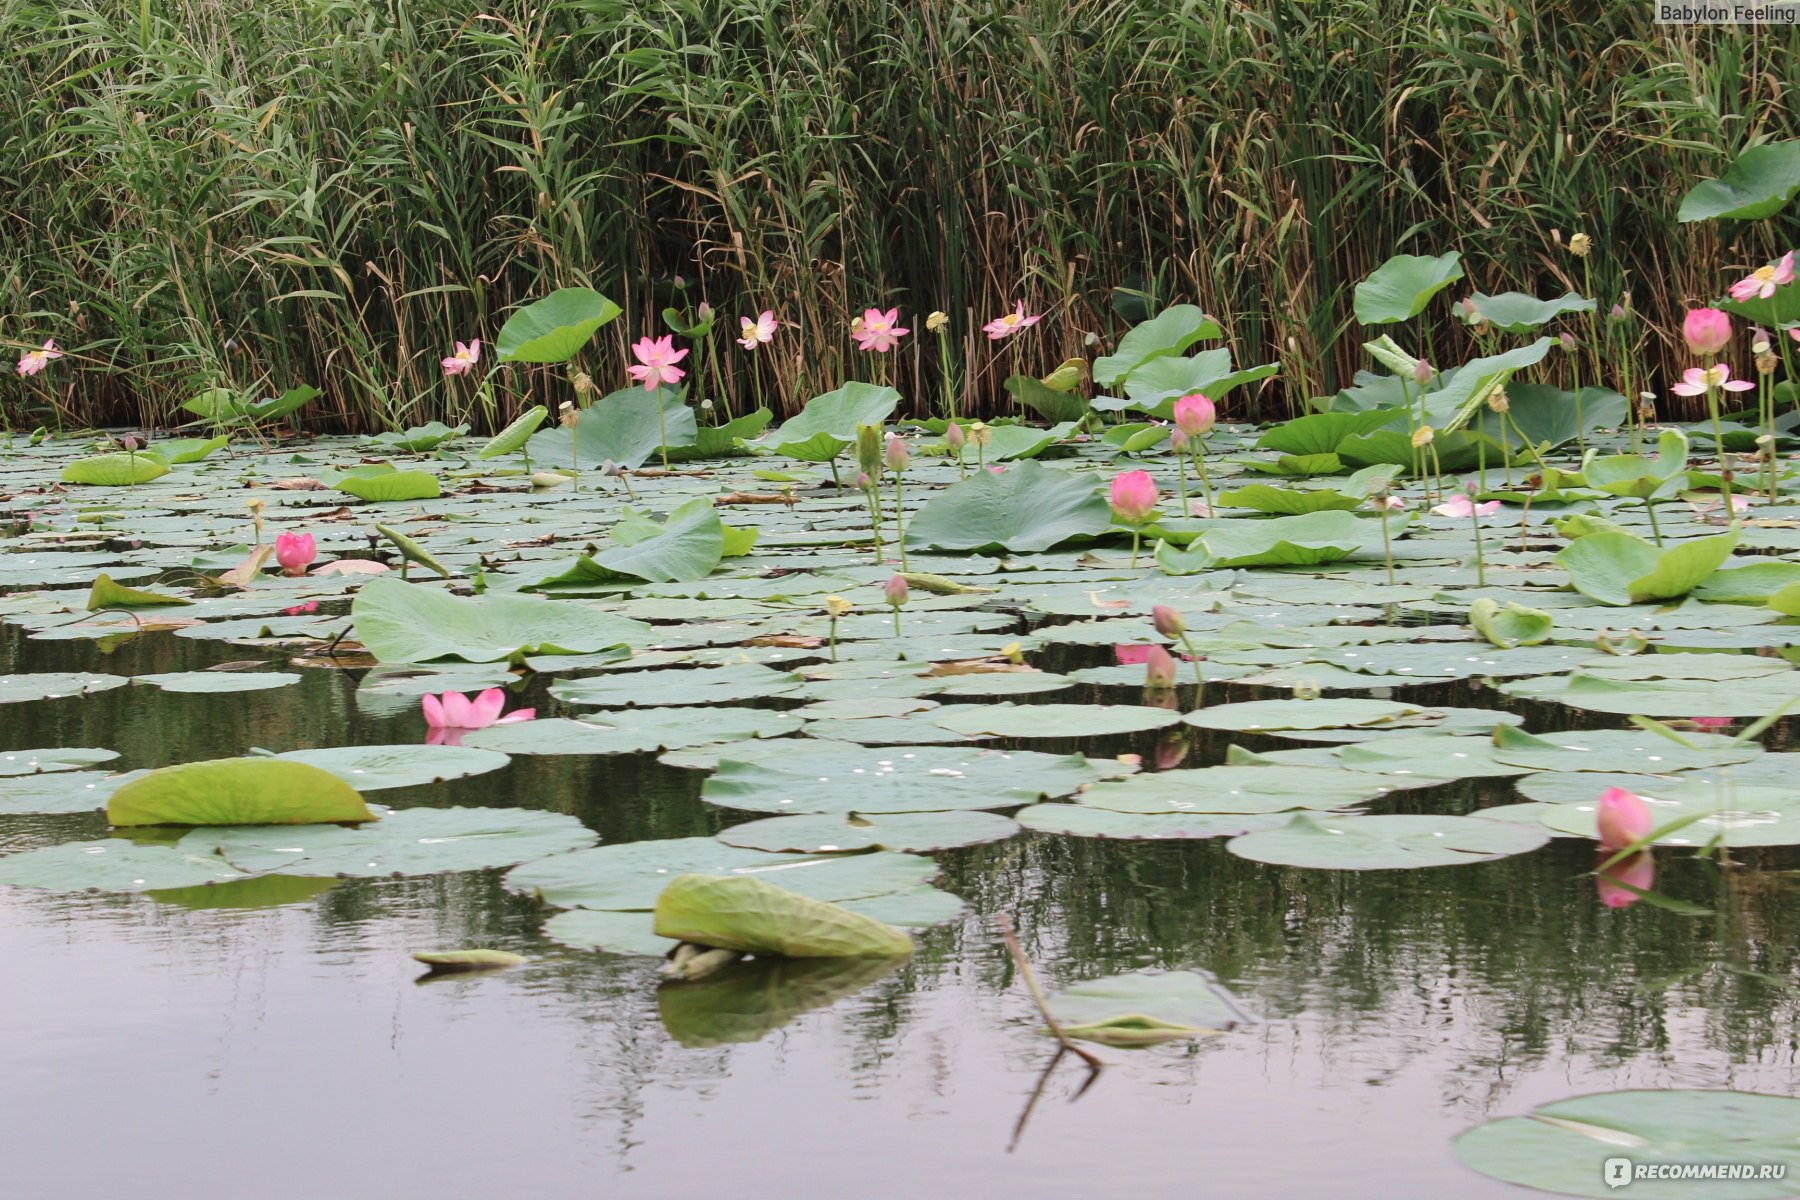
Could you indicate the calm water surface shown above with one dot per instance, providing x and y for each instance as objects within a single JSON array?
[{"x": 156, "y": 1050}]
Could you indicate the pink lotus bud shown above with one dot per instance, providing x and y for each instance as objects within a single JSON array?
[
  {"x": 896, "y": 590},
  {"x": 1706, "y": 330},
  {"x": 129, "y": 443},
  {"x": 1133, "y": 497},
  {"x": 1568, "y": 342},
  {"x": 1638, "y": 871},
  {"x": 1623, "y": 818},
  {"x": 1421, "y": 372},
  {"x": 897, "y": 456},
  {"x": 1179, "y": 441},
  {"x": 1159, "y": 668},
  {"x": 294, "y": 551},
  {"x": 1617, "y": 314},
  {"x": 954, "y": 437},
  {"x": 1195, "y": 415},
  {"x": 863, "y": 482},
  {"x": 1167, "y": 621}
]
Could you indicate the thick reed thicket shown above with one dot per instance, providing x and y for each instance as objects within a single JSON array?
[{"x": 254, "y": 193}]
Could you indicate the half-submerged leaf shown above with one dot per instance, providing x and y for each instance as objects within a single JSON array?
[
  {"x": 748, "y": 914},
  {"x": 237, "y": 791},
  {"x": 1145, "y": 1008}
]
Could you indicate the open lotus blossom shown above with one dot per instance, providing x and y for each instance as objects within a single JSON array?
[
  {"x": 878, "y": 331},
  {"x": 759, "y": 332},
  {"x": 1623, "y": 818},
  {"x": 1761, "y": 283},
  {"x": 453, "y": 714},
  {"x": 656, "y": 362},
  {"x": 1706, "y": 330},
  {"x": 465, "y": 358},
  {"x": 1620, "y": 883},
  {"x": 37, "y": 360},
  {"x": 1195, "y": 415},
  {"x": 1697, "y": 381},
  {"x": 1133, "y": 496},
  {"x": 1011, "y": 323},
  {"x": 1462, "y": 506},
  {"x": 295, "y": 552}
]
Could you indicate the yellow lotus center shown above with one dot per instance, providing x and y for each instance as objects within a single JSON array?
[{"x": 1763, "y": 274}]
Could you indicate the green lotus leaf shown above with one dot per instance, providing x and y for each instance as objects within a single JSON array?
[
  {"x": 391, "y": 486},
  {"x": 895, "y": 779},
  {"x": 1621, "y": 569},
  {"x": 1403, "y": 285},
  {"x": 1383, "y": 843},
  {"x": 372, "y": 768},
  {"x": 115, "y": 470},
  {"x": 1026, "y": 508},
  {"x": 408, "y": 841},
  {"x": 1145, "y": 1008},
  {"x": 406, "y": 622},
  {"x": 739, "y": 912},
  {"x": 554, "y": 329},
  {"x": 108, "y": 594},
  {"x": 1170, "y": 332},
  {"x": 236, "y": 791},
  {"x": 1759, "y": 183},
  {"x": 907, "y": 833}
]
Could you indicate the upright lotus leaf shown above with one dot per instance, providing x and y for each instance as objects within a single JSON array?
[
  {"x": 718, "y": 441},
  {"x": 1590, "y": 1145},
  {"x": 1027, "y": 507},
  {"x": 749, "y": 999},
  {"x": 1758, "y": 184},
  {"x": 750, "y": 914},
  {"x": 108, "y": 594},
  {"x": 516, "y": 433},
  {"x": 1621, "y": 569},
  {"x": 1402, "y": 286},
  {"x": 1157, "y": 384},
  {"x": 115, "y": 470},
  {"x": 390, "y": 486},
  {"x": 1053, "y": 405},
  {"x": 411, "y": 551},
  {"x": 554, "y": 329},
  {"x": 1169, "y": 332},
  {"x": 1515, "y": 312},
  {"x": 237, "y": 791},
  {"x": 407, "y": 622},
  {"x": 1540, "y": 415},
  {"x": 1145, "y": 1008},
  {"x": 627, "y": 427},
  {"x": 1351, "y": 495},
  {"x": 828, "y": 424},
  {"x": 1464, "y": 393},
  {"x": 289, "y": 402},
  {"x": 1321, "y": 433},
  {"x": 686, "y": 546},
  {"x": 419, "y": 438},
  {"x": 190, "y": 450},
  {"x": 1514, "y": 625},
  {"x": 1640, "y": 477}
]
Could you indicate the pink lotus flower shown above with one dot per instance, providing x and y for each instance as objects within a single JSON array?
[
  {"x": 1761, "y": 283},
  {"x": 453, "y": 714},
  {"x": 1623, "y": 818},
  {"x": 1133, "y": 497},
  {"x": 759, "y": 332},
  {"x": 1195, "y": 415},
  {"x": 1159, "y": 668},
  {"x": 465, "y": 358},
  {"x": 295, "y": 551},
  {"x": 1460, "y": 505},
  {"x": 1616, "y": 882},
  {"x": 656, "y": 362},
  {"x": 878, "y": 331},
  {"x": 37, "y": 360},
  {"x": 1706, "y": 330},
  {"x": 1004, "y": 327},
  {"x": 1697, "y": 381}
]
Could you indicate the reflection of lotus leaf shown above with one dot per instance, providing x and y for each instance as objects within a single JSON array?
[{"x": 746, "y": 1000}]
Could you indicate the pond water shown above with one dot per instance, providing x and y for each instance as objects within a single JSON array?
[{"x": 164, "y": 1048}]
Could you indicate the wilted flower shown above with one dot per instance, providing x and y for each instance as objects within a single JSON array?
[
  {"x": 837, "y": 606},
  {"x": 37, "y": 360},
  {"x": 1617, "y": 313},
  {"x": 1133, "y": 496},
  {"x": 567, "y": 414},
  {"x": 1195, "y": 415},
  {"x": 453, "y": 714},
  {"x": 1623, "y": 818},
  {"x": 656, "y": 361},
  {"x": 1383, "y": 502},
  {"x": 1460, "y": 505},
  {"x": 1620, "y": 883},
  {"x": 1470, "y": 313},
  {"x": 1159, "y": 668},
  {"x": 1696, "y": 381},
  {"x": 1580, "y": 244},
  {"x": 1422, "y": 436},
  {"x": 465, "y": 358},
  {"x": 878, "y": 331},
  {"x": 1498, "y": 401},
  {"x": 759, "y": 332},
  {"x": 295, "y": 551},
  {"x": 1761, "y": 283},
  {"x": 1011, "y": 323},
  {"x": 1706, "y": 330},
  {"x": 937, "y": 321},
  {"x": 980, "y": 434}
]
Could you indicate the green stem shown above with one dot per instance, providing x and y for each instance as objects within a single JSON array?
[
  {"x": 1650, "y": 511},
  {"x": 1199, "y": 676},
  {"x": 875, "y": 519},
  {"x": 1134, "y": 545},
  {"x": 1387, "y": 545},
  {"x": 896, "y": 620},
  {"x": 899, "y": 528},
  {"x": 1205, "y": 483},
  {"x": 1480, "y": 565}
]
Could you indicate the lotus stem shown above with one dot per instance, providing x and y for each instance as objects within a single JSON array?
[
  {"x": 1480, "y": 564},
  {"x": 1387, "y": 544},
  {"x": 874, "y": 495},
  {"x": 1005, "y": 925},
  {"x": 899, "y": 531},
  {"x": 1199, "y": 675},
  {"x": 1134, "y": 545},
  {"x": 1205, "y": 483},
  {"x": 1655, "y": 530}
]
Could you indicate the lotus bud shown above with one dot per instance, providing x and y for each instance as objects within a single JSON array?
[
  {"x": 954, "y": 437},
  {"x": 897, "y": 456},
  {"x": 129, "y": 443},
  {"x": 704, "y": 312},
  {"x": 1567, "y": 341},
  {"x": 1422, "y": 436},
  {"x": 1167, "y": 621},
  {"x": 1195, "y": 415},
  {"x": 937, "y": 321},
  {"x": 1623, "y": 818},
  {"x": 1766, "y": 363},
  {"x": 1421, "y": 372},
  {"x": 1706, "y": 331},
  {"x": 1470, "y": 313},
  {"x": 1133, "y": 495},
  {"x": 294, "y": 551},
  {"x": 868, "y": 450},
  {"x": 863, "y": 482},
  {"x": 896, "y": 590},
  {"x": 837, "y": 606},
  {"x": 1617, "y": 314},
  {"x": 1580, "y": 244},
  {"x": 1179, "y": 441},
  {"x": 1159, "y": 669}
]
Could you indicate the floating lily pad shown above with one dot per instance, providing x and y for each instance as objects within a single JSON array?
[
  {"x": 1624, "y": 750},
  {"x": 371, "y": 768},
  {"x": 1146, "y": 1008},
  {"x": 1234, "y": 789},
  {"x": 35, "y": 762},
  {"x": 698, "y": 685},
  {"x": 410, "y": 841},
  {"x": 903, "y": 779},
  {"x": 1052, "y": 720},
  {"x": 55, "y": 685},
  {"x": 458, "y": 961},
  {"x": 1270, "y": 716},
  {"x": 113, "y": 865},
  {"x": 1385, "y": 843},
  {"x": 1081, "y": 820},
  {"x": 58, "y": 792},
  {"x": 214, "y": 682},
  {"x": 1735, "y": 815},
  {"x": 635, "y": 731},
  {"x": 914, "y": 833}
]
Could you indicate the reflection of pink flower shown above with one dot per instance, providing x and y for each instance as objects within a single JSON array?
[
  {"x": 1710, "y": 724},
  {"x": 878, "y": 331},
  {"x": 1131, "y": 655},
  {"x": 301, "y": 610},
  {"x": 1761, "y": 283},
  {"x": 37, "y": 360},
  {"x": 656, "y": 361},
  {"x": 1159, "y": 668},
  {"x": 1460, "y": 505},
  {"x": 1695, "y": 381},
  {"x": 1623, "y": 818},
  {"x": 1011, "y": 323},
  {"x": 1638, "y": 871},
  {"x": 453, "y": 714},
  {"x": 465, "y": 358}
]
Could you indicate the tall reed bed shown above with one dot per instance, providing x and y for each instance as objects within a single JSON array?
[{"x": 252, "y": 193}]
